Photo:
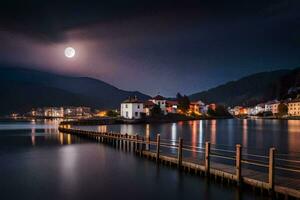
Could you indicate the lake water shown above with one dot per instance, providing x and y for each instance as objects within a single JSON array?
[
  {"x": 257, "y": 134},
  {"x": 38, "y": 162}
]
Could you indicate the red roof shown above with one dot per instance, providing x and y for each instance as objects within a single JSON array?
[
  {"x": 171, "y": 103},
  {"x": 132, "y": 100},
  {"x": 149, "y": 104},
  {"x": 158, "y": 97}
]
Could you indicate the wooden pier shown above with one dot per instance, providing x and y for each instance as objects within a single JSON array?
[{"x": 243, "y": 171}]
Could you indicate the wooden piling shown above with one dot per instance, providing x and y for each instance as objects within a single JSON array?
[
  {"x": 137, "y": 143},
  {"x": 148, "y": 143},
  {"x": 142, "y": 146},
  {"x": 271, "y": 168},
  {"x": 180, "y": 152},
  {"x": 238, "y": 162},
  {"x": 134, "y": 144},
  {"x": 157, "y": 147},
  {"x": 126, "y": 142},
  {"x": 207, "y": 158}
]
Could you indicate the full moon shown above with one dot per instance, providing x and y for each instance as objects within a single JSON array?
[{"x": 70, "y": 52}]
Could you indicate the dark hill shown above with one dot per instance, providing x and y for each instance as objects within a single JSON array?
[
  {"x": 21, "y": 89},
  {"x": 252, "y": 89}
]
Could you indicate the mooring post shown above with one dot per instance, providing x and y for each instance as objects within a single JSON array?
[
  {"x": 238, "y": 166},
  {"x": 207, "y": 158},
  {"x": 126, "y": 142},
  {"x": 180, "y": 152},
  {"x": 129, "y": 142},
  {"x": 148, "y": 143},
  {"x": 271, "y": 168},
  {"x": 134, "y": 144},
  {"x": 121, "y": 141},
  {"x": 115, "y": 140},
  {"x": 137, "y": 143},
  {"x": 157, "y": 147},
  {"x": 142, "y": 146}
]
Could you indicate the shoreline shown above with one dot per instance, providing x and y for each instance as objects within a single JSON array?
[
  {"x": 111, "y": 121},
  {"x": 153, "y": 120}
]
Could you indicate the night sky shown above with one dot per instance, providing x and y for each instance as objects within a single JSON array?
[{"x": 153, "y": 46}]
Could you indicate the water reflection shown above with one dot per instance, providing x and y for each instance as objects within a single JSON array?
[
  {"x": 201, "y": 133},
  {"x": 33, "y": 136},
  {"x": 253, "y": 134},
  {"x": 213, "y": 133},
  {"x": 89, "y": 169},
  {"x": 69, "y": 139},
  {"x": 61, "y": 138},
  {"x": 194, "y": 137},
  {"x": 102, "y": 129},
  {"x": 293, "y": 135},
  {"x": 174, "y": 133},
  {"x": 127, "y": 128},
  {"x": 245, "y": 133},
  {"x": 147, "y": 134}
]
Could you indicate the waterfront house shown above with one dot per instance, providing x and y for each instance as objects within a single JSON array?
[
  {"x": 54, "y": 112},
  {"x": 148, "y": 105},
  {"x": 197, "y": 107},
  {"x": 272, "y": 106},
  {"x": 80, "y": 111},
  {"x": 132, "y": 108},
  {"x": 294, "y": 107},
  {"x": 260, "y": 108},
  {"x": 161, "y": 101},
  {"x": 171, "y": 106},
  {"x": 238, "y": 110}
]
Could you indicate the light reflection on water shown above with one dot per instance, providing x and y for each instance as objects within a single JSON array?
[
  {"x": 67, "y": 167},
  {"x": 256, "y": 134}
]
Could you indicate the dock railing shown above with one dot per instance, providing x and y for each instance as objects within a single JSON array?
[{"x": 273, "y": 172}]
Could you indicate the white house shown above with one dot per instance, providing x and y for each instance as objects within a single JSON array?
[
  {"x": 260, "y": 108},
  {"x": 132, "y": 108},
  {"x": 161, "y": 101},
  {"x": 272, "y": 106}
]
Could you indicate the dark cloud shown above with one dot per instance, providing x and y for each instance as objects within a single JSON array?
[{"x": 165, "y": 46}]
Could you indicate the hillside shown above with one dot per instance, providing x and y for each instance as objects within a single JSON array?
[
  {"x": 21, "y": 89},
  {"x": 252, "y": 89}
]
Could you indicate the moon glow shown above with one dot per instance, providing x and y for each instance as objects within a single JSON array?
[{"x": 70, "y": 52}]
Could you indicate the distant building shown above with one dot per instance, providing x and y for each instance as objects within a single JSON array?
[
  {"x": 238, "y": 110},
  {"x": 171, "y": 106},
  {"x": 294, "y": 107},
  {"x": 260, "y": 108},
  {"x": 37, "y": 112},
  {"x": 197, "y": 107},
  {"x": 61, "y": 112},
  {"x": 272, "y": 106},
  {"x": 80, "y": 111},
  {"x": 148, "y": 105},
  {"x": 54, "y": 112},
  {"x": 132, "y": 108},
  {"x": 161, "y": 101}
]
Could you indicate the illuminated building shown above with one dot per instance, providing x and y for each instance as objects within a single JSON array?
[
  {"x": 132, "y": 108},
  {"x": 171, "y": 106},
  {"x": 294, "y": 107},
  {"x": 148, "y": 105},
  {"x": 161, "y": 101}
]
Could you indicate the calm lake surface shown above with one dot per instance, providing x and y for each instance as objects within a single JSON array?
[
  {"x": 38, "y": 162},
  {"x": 256, "y": 134}
]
